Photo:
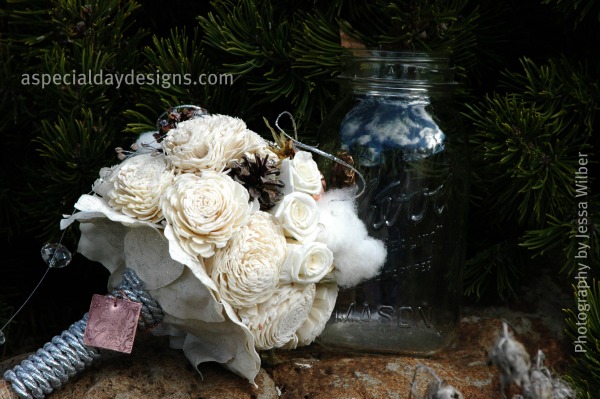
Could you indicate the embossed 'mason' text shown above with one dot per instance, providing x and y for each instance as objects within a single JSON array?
[{"x": 399, "y": 316}]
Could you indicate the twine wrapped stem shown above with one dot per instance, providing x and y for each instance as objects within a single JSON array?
[{"x": 66, "y": 355}]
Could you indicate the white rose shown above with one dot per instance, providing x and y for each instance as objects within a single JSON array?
[
  {"x": 307, "y": 263},
  {"x": 298, "y": 214},
  {"x": 319, "y": 314},
  {"x": 205, "y": 211},
  {"x": 210, "y": 143},
  {"x": 301, "y": 174},
  {"x": 274, "y": 322},
  {"x": 135, "y": 186},
  {"x": 246, "y": 270}
]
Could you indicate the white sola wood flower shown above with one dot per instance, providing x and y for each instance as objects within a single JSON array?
[
  {"x": 205, "y": 211},
  {"x": 274, "y": 322},
  {"x": 246, "y": 271},
  {"x": 210, "y": 143},
  {"x": 323, "y": 304},
  {"x": 135, "y": 186}
]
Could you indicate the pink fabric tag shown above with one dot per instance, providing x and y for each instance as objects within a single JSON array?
[{"x": 112, "y": 323}]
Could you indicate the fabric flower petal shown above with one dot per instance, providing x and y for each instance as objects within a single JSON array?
[
  {"x": 92, "y": 207},
  {"x": 102, "y": 241},
  {"x": 226, "y": 342},
  {"x": 187, "y": 298},
  {"x": 147, "y": 253}
]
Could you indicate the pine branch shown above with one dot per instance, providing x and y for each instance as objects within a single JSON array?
[
  {"x": 560, "y": 235},
  {"x": 559, "y": 88},
  {"x": 497, "y": 267},
  {"x": 66, "y": 141},
  {"x": 525, "y": 157},
  {"x": 178, "y": 62},
  {"x": 580, "y": 12}
]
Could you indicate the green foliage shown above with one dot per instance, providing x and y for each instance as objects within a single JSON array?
[
  {"x": 65, "y": 128},
  {"x": 584, "y": 373},
  {"x": 562, "y": 89},
  {"x": 495, "y": 266},
  {"x": 577, "y": 11},
  {"x": 431, "y": 25},
  {"x": 560, "y": 237},
  {"x": 255, "y": 42},
  {"x": 177, "y": 57},
  {"x": 526, "y": 143},
  {"x": 527, "y": 163}
]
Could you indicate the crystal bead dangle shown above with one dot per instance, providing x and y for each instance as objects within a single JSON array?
[{"x": 56, "y": 255}]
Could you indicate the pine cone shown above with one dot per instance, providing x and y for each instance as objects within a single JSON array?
[
  {"x": 174, "y": 115},
  {"x": 342, "y": 176},
  {"x": 258, "y": 177}
]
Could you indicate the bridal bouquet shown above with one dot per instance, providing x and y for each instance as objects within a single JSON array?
[{"x": 234, "y": 236}]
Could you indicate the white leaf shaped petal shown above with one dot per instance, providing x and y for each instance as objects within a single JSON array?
[
  {"x": 187, "y": 298},
  {"x": 102, "y": 241},
  {"x": 227, "y": 342},
  {"x": 92, "y": 207},
  {"x": 180, "y": 255},
  {"x": 147, "y": 253}
]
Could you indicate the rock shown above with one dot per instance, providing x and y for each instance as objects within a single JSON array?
[{"x": 155, "y": 371}]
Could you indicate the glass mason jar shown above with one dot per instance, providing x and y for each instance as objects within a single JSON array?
[{"x": 396, "y": 122}]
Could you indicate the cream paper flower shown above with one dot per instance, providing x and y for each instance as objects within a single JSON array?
[
  {"x": 102, "y": 183},
  {"x": 323, "y": 304},
  {"x": 274, "y": 322},
  {"x": 246, "y": 271},
  {"x": 205, "y": 211},
  {"x": 298, "y": 214},
  {"x": 306, "y": 263},
  {"x": 301, "y": 174},
  {"x": 210, "y": 142},
  {"x": 135, "y": 186}
]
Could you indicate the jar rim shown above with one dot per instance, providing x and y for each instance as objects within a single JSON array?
[
  {"x": 377, "y": 72},
  {"x": 375, "y": 54}
]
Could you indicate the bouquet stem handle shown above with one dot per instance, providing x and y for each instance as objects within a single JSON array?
[{"x": 66, "y": 355}]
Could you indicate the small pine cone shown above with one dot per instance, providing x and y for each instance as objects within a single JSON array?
[{"x": 258, "y": 176}]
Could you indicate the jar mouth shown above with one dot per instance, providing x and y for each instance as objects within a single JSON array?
[
  {"x": 368, "y": 69},
  {"x": 399, "y": 56}
]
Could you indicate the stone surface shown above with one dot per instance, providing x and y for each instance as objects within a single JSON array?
[{"x": 155, "y": 371}]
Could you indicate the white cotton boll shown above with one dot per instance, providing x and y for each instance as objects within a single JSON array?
[
  {"x": 357, "y": 256},
  {"x": 359, "y": 262}
]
